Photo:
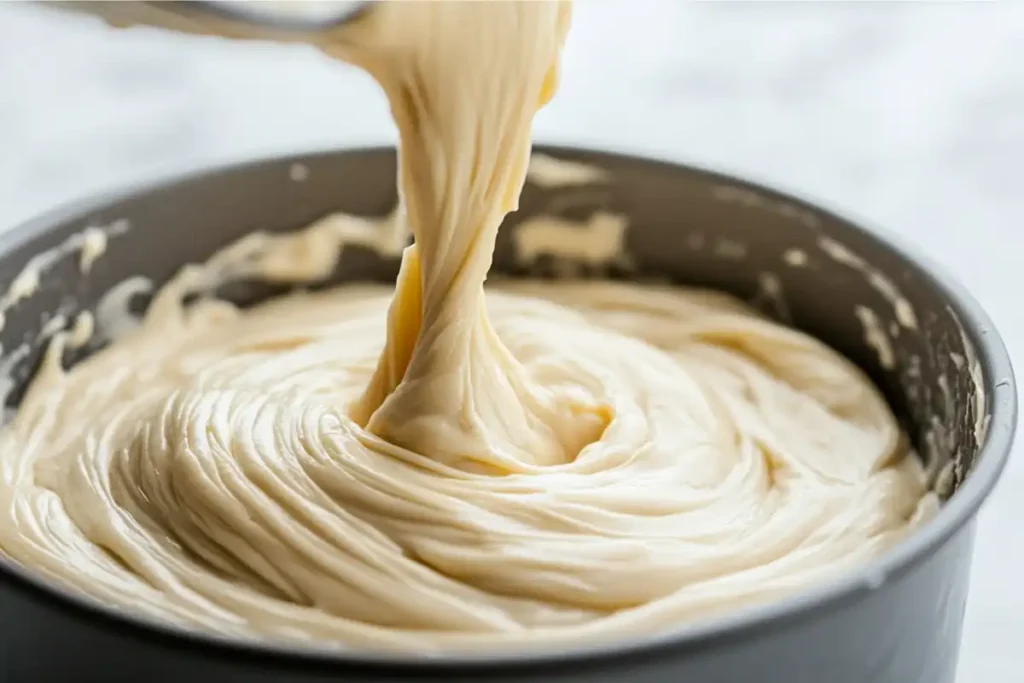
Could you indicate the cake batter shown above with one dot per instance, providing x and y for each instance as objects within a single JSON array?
[{"x": 427, "y": 468}]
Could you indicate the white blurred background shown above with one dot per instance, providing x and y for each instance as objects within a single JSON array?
[{"x": 910, "y": 114}]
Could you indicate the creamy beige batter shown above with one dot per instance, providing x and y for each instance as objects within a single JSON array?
[{"x": 428, "y": 468}]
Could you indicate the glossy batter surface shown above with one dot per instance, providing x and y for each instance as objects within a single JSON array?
[{"x": 429, "y": 468}]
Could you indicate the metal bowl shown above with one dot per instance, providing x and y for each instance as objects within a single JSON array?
[{"x": 933, "y": 351}]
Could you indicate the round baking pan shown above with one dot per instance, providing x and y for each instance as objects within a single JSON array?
[{"x": 918, "y": 334}]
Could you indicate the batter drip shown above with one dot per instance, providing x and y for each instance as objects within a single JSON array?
[{"x": 427, "y": 468}]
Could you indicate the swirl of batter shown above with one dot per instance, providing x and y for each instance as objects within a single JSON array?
[{"x": 425, "y": 468}]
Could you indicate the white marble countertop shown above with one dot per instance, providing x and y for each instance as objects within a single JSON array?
[{"x": 909, "y": 114}]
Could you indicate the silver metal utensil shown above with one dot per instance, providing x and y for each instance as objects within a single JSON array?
[{"x": 277, "y": 20}]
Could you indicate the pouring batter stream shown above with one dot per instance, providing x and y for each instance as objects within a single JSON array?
[{"x": 432, "y": 468}]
